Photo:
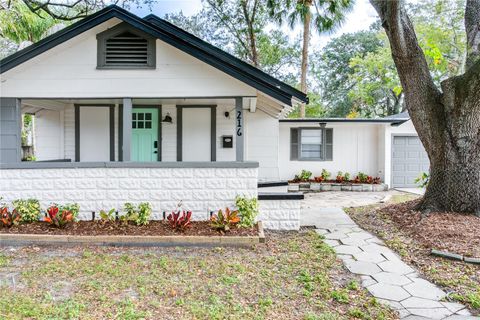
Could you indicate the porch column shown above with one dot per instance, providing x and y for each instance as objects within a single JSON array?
[
  {"x": 127, "y": 128},
  {"x": 10, "y": 130},
  {"x": 239, "y": 128}
]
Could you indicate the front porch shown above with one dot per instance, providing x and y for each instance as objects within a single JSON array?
[{"x": 143, "y": 130}]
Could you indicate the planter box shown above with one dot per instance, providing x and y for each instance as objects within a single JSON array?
[
  {"x": 367, "y": 187},
  {"x": 15, "y": 239},
  {"x": 336, "y": 187},
  {"x": 326, "y": 186},
  {"x": 357, "y": 187}
]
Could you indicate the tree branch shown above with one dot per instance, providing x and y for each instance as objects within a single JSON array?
[
  {"x": 472, "y": 28},
  {"x": 422, "y": 97}
]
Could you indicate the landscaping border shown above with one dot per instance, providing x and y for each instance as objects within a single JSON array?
[
  {"x": 11, "y": 239},
  {"x": 455, "y": 256},
  {"x": 331, "y": 186}
]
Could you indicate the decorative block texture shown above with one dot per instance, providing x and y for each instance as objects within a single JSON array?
[
  {"x": 201, "y": 189},
  {"x": 280, "y": 214}
]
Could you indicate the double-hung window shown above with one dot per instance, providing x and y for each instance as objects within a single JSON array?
[{"x": 311, "y": 144}]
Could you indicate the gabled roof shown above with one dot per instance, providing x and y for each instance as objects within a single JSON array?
[{"x": 172, "y": 35}]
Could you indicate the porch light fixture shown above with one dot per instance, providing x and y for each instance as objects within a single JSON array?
[
  {"x": 168, "y": 118},
  {"x": 322, "y": 124}
]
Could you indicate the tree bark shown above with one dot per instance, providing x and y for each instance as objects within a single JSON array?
[
  {"x": 447, "y": 121},
  {"x": 304, "y": 69}
]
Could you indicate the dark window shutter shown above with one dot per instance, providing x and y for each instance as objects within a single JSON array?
[
  {"x": 328, "y": 144},
  {"x": 294, "y": 143}
]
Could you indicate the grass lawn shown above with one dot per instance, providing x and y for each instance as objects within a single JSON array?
[
  {"x": 460, "y": 280},
  {"x": 293, "y": 276}
]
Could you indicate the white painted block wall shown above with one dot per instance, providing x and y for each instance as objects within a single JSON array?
[
  {"x": 201, "y": 189},
  {"x": 280, "y": 214}
]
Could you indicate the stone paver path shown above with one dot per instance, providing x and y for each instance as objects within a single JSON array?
[{"x": 383, "y": 273}]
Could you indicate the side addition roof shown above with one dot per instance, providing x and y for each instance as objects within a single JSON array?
[{"x": 174, "y": 36}]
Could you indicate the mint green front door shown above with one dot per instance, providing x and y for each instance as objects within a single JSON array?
[{"x": 145, "y": 142}]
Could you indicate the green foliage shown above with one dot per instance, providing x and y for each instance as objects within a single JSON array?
[
  {"x": 346, "y": 176},
  {"x": 362, "y": 177},
  {"x": 29, "y": 209},
  {"x": 325, "y": 174},
  {"x": 107, "y": 215},
  {"x": 422, "y": 180},
  {"x": 74, "y": 208},
  {"x": 58, "y": 217},
  {"x": 20, "y": 24},
  {"x": 340, "y": 296},
  {"x": 225, "y": 220},
  {"x": 138, "y": 215},
  {"x": 248, "y": 210},
  {"x": 304, "y": 175}
]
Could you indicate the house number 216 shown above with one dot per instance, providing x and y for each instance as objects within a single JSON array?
[{"x": 239, "y": 123}]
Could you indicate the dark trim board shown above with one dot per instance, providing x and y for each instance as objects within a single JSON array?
[
  {"x": 272, "y": 184},
  {"x": 173, "y": 36},
  {"x": 320, "y": 120},
  {"x": 111, "y": 108},
  {"x": 213, "y": 130},
  {"x": 120, "y": 132},
  {"x": 62, "y": 165},
  {"x": 280, "y": 196}
]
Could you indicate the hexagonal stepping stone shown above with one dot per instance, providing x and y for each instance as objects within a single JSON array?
[
  {"x": 360, "y": 235},
  {"x": 388, "y": 291},
  {"x": 390, "y": 255},
  {"x": 337, "y": 235},
  {"x": 322, "y": 231},
  {"x": 395, "y": 267},
  {"x": 453, "y": 306},
  {"x": 423, "y": 289},
  {"x": 375, "y": 248},
  {"x": 369, "y": 256},
  {"x": 332, "y": 243},
  {"x": 461, "y": 317},
  {"x": 353, "y": 242},
  {"x": 367, "y": 281},
  {"x": 420, "y": 303},
  {"x": 435, "y": 313},
  {"x": 392, "y": 278},
  {"x": 343, "y": 249},
  {"x": 362, "y": 267},
  {"x": 393, "y": 304}
]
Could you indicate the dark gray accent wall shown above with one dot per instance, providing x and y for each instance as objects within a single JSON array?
[{"x": 10, "y": 130}]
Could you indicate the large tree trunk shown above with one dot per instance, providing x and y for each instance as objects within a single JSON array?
[
  {"x": 306, "y": 43},
  {"x": 447, "y": 121}
]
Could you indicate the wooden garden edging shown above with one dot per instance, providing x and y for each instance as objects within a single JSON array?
[{"x": 11, "y": 239}]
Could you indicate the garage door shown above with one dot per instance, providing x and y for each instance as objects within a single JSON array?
[{"x": 409, "y": 159}]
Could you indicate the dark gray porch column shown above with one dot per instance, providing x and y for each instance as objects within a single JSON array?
[
  {"x": 127, "y": 128},
  {"x": 10, "y": 130},
  {"x": 239, "y": 128}
]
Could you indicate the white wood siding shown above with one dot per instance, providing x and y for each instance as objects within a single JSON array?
[
  {"x": 262, "y": 143},
  {"x": 355, "y": 148},
  {"x": 69, "y": 71},
  {"x": 48, "y": 135}
]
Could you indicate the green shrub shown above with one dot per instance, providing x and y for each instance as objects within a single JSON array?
[
  {"x": 325, "y": 174},
  {"x": 304, "y": 175},
  {"x": 29, "y": 210},
  {"x": 138, "y": 215},
  {"x": 362, "y": 177},
  {"x": 107, "y": 215},
  {"x": 248, "y": 209},
  {"x": 346, "y": 176},
  {"x": 422, "y": 180}
]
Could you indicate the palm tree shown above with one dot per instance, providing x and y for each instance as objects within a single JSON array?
[{"x": 321, "y": 15}]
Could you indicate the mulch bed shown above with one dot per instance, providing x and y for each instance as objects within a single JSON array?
[
  {"x": 154, "y": 228},
  {"x": 448, "y": 231}
]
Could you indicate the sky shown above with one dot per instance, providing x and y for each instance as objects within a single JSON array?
[{"x": 360, "y": 18}]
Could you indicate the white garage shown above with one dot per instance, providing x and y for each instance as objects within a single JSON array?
[{"x": 409, "y": 160}]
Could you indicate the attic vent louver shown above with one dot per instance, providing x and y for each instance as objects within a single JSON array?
[{"x": 124, "y": 48}]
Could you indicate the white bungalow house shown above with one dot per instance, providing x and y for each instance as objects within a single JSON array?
[{"x": 132, "y": 109}]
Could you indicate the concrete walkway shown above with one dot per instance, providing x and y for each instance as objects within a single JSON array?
[{"x": 383, "y": 273}]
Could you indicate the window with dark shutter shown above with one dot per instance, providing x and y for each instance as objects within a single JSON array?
[
  {"x": 124, "y": 47},
  {"x": 311, "y": 144},
  {"x": 293, "y": 143}
]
